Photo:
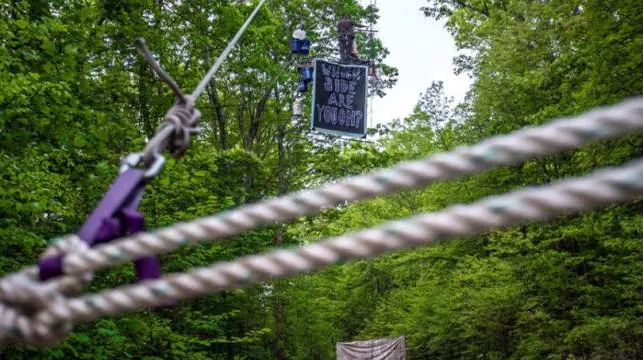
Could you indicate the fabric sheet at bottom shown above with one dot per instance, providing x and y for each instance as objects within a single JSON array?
[{"x": 380, "y": 349}]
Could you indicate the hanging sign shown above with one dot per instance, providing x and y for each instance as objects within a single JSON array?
[{"x": 339, "y": 98}]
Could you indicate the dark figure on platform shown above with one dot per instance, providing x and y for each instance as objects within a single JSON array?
[{"x": 347, "y": 44}]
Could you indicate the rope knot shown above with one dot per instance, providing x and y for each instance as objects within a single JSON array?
[
  {"x": 27, "y": 300},
  {"x": 70, "y": 244},
  {"x": 33, "y": 327},
  {"x": 183, "y": 117}
]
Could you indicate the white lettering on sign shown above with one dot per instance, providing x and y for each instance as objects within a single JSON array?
[
  {"x": 332, "y": 100},
  {"x": 333, "y": 115},
  {"x": 340, "y": 83}
]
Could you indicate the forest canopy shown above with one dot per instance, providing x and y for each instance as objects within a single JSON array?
[{"x": 75, "y": 97}]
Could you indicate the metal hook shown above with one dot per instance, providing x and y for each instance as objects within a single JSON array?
[{"x": 135, "y": 159}]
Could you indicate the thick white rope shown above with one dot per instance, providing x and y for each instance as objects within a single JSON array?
[
  {"x": 603, "y": 187},
  {"x": 558, "y": 136},
  {"x": 561, "y": 135},
  {"x": 25, "y": 294}
]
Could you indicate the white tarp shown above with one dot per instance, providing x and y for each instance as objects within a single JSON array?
[{"x": 380, "y": 349}]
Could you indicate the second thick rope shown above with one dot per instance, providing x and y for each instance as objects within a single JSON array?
[
  {"x": 604, "y": 187},
  {"x": 558, "y": 136}
]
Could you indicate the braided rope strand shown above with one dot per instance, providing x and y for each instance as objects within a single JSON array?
[
  {"x": 51, "y": 323},
  {"x": 603, "y": 187},
  {"x": 558, "y": 136}
]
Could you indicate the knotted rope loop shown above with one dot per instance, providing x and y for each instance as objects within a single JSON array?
[
  {"x": 183, "y": 118},
  {"x": 14, "y": 289},
  {"x": 21, "y": 291},
  {"x": 68, "y": 245},
  {"x": 31, "y": 327},
  {"x": 25, "y": 291},
  {"x": 26, "y": 297}
]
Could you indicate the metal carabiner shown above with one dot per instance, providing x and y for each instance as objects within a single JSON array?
[{"x": 135, "y": 159}]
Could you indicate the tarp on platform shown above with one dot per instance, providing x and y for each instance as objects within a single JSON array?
[{"x": 380, "y": 349}]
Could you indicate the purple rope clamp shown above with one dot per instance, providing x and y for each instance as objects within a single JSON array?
[{"x": 115, "y": 216}]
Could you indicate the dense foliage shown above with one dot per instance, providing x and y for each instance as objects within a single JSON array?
[{"x": 75, "y": 97}]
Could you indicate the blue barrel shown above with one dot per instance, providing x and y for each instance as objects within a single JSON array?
[
  {"x": 306, "y": 74},
  {"x": 295, "y": 46},
  {"x": 304, "y": 47},
  {"x": 302, "y": 86}
]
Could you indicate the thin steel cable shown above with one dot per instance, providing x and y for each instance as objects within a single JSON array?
[
  {"x": 534, "y": 204},
  {"x": 199, "y": 89},
  {"x": 510, "y": 149},
  {"x": 23, "y": 292},
  {"x": 181, "y": 120}
]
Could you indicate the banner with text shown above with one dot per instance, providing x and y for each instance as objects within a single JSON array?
[{"x": 339, "y": 98}]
